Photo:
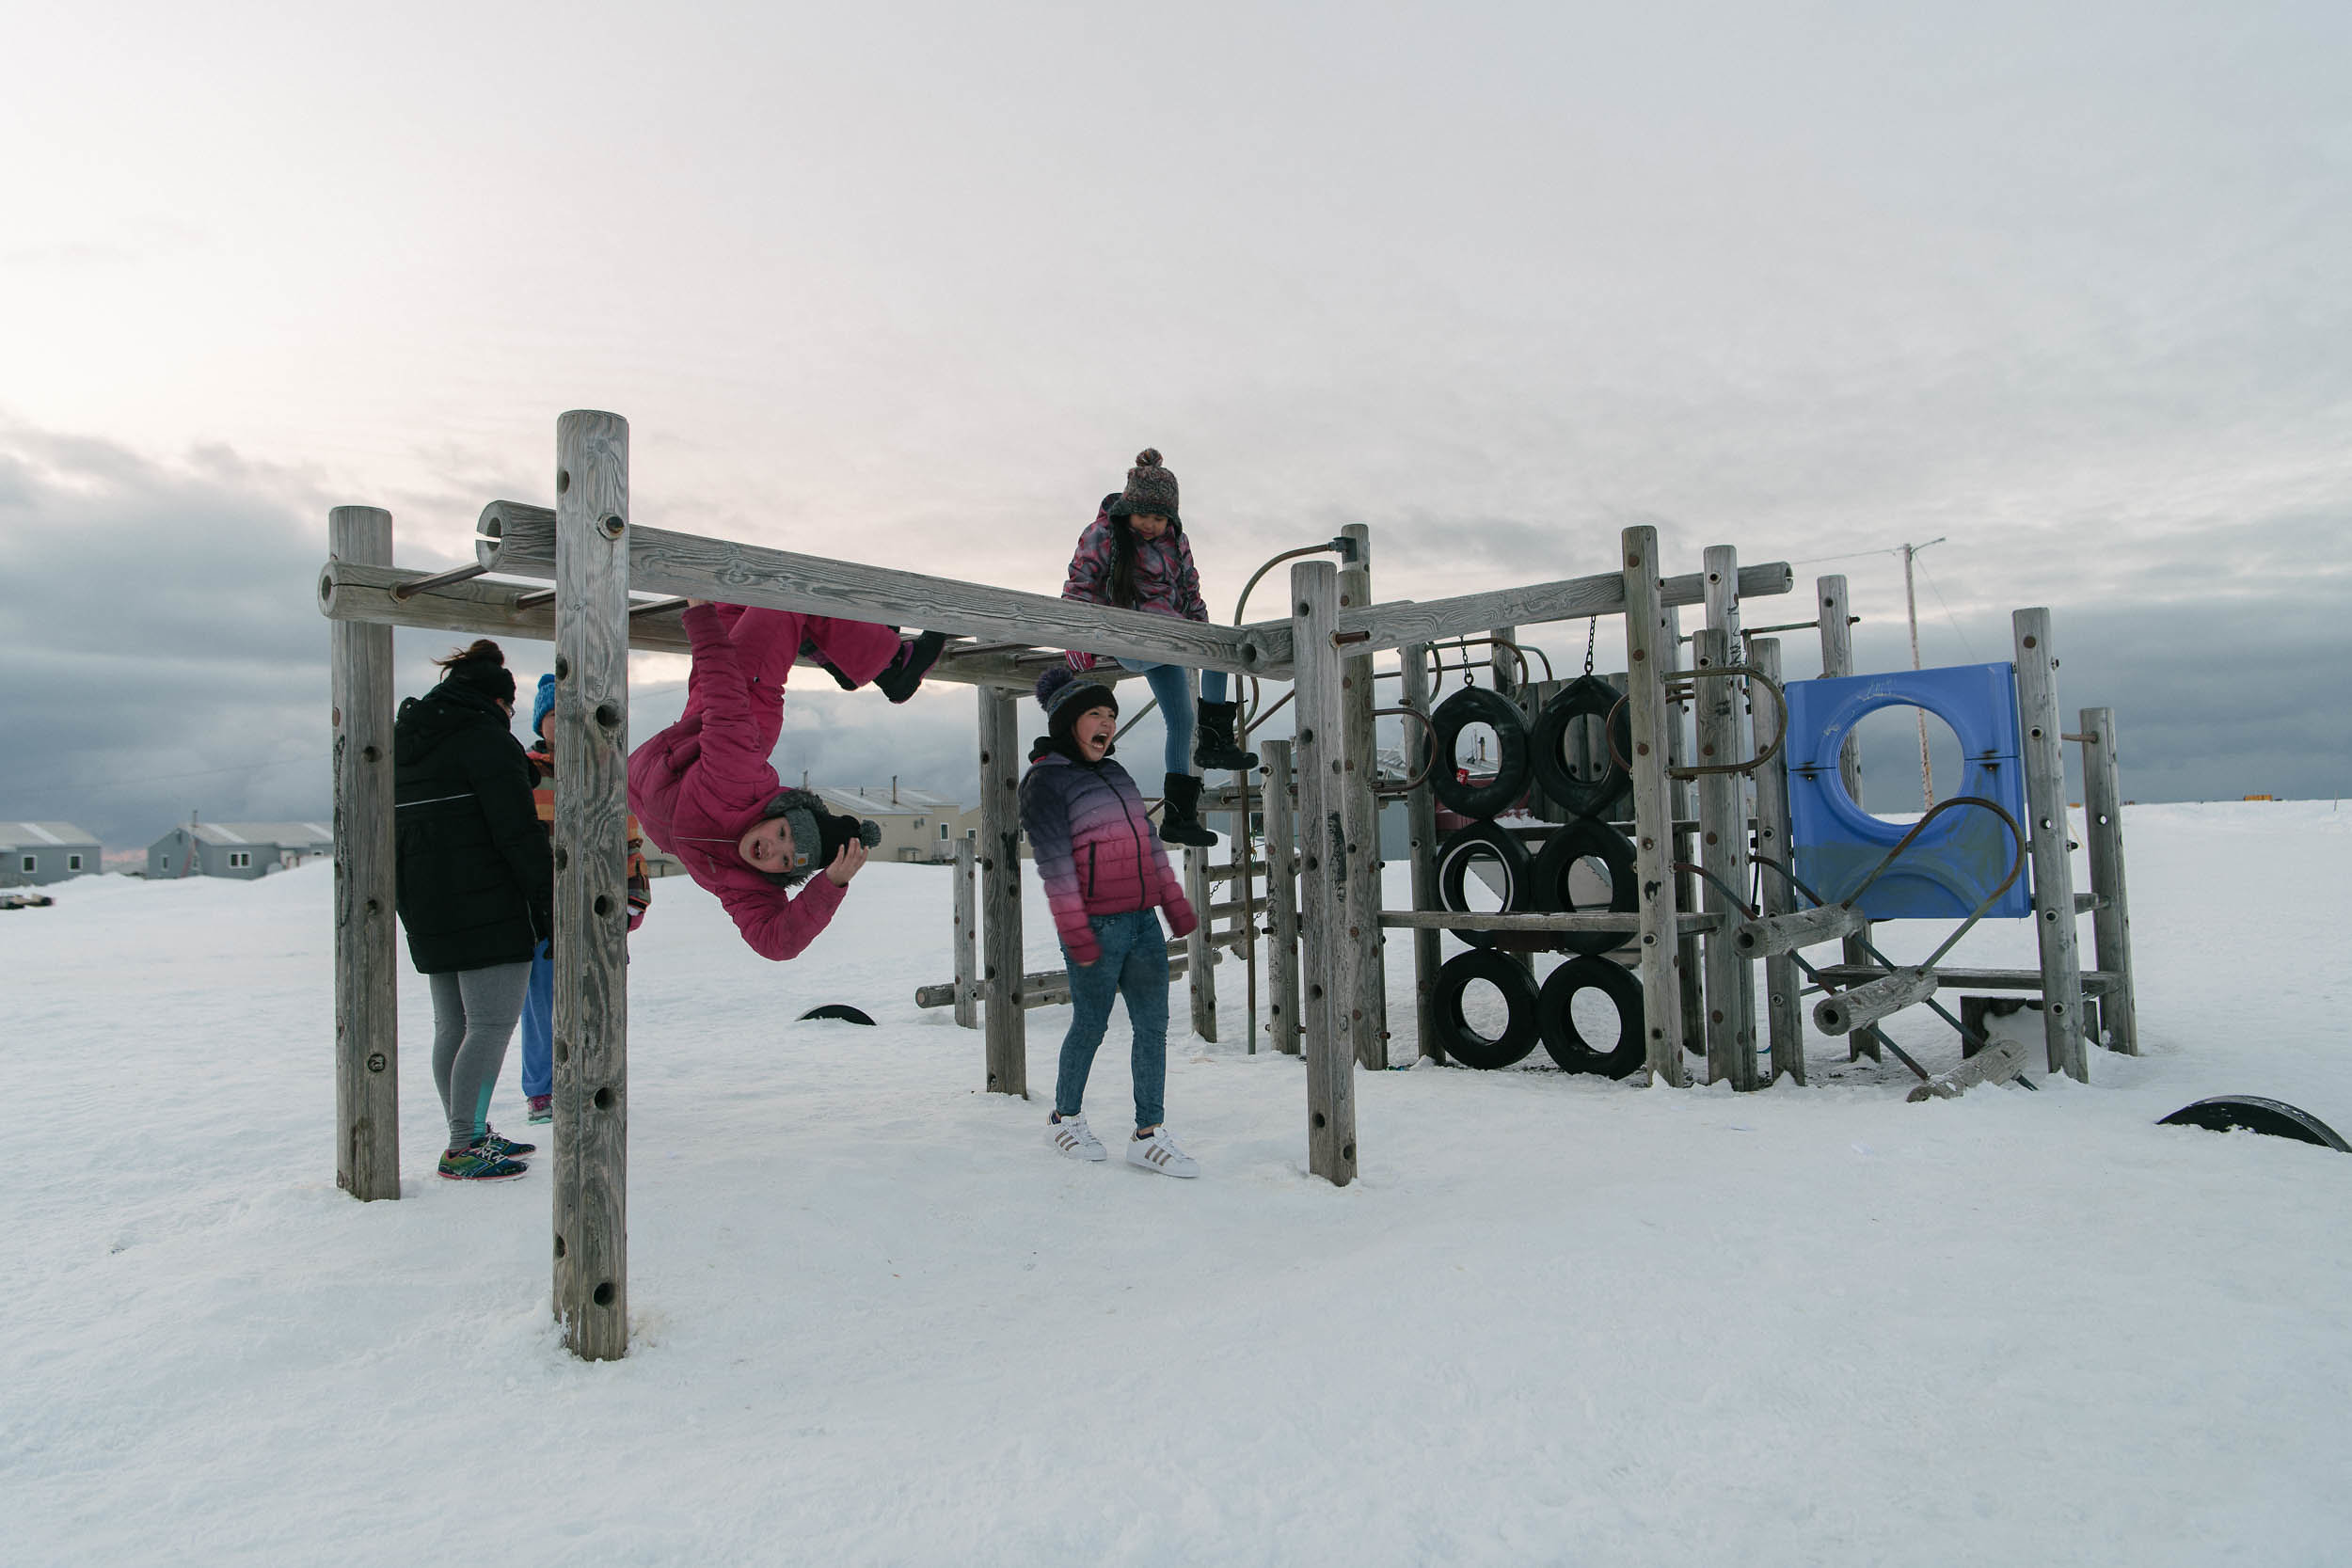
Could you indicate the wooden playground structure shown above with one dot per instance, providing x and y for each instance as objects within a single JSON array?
[{"x": 1692, "y": 945}]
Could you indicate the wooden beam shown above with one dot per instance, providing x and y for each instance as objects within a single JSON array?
[
  {"x": 1836, "y": 628},
  {"x": 2045, "y": 840},
  {"x": 1784, "y": 1016},
  {"x": 1281, "y": 854},
  {"x": 367, "y": 1021},
  {"x": 1866, "y": 1004},
  {"x": 2103, "y": 837},
  {"x": 1202, "y": 989},
  {"x": 518, "y": 538},
  {"x": 1653, "y": 816},
  {"x": 1722, "y": 839},
  {"x": 591, "y": 1131},
  {"x": 967, "y": 935},
  {"x": 1050, "y": 987},
  {"x": 1327, "y": 957},
  {"x": 1007, "y": 1041},
  {"x": 1360, "y": 767},
  {"x": 1578, "y": 920}
]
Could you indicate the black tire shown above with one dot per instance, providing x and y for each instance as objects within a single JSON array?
[
  {"x": 2273, "y": 1118},
  {"x": 1557, "y": 1023},
  {"x": 1587, "y": 696},
  {"x": 840, "y": 1010},
  {"x": 1548, "y": 881},
  {"x": 1464, "y": 845},
  {"x": 1475, "y": 705},
  {"x": 1465, "y": 1044}
]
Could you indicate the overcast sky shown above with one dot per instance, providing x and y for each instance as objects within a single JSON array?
[{"x": 912, "y": 283}]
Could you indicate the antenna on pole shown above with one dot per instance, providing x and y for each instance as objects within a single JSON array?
[{"x": 1911, "y": 612}]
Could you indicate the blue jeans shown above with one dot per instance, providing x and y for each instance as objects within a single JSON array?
[
  {"x": 1135, "y": 965},
  {"x": 1172, "y": 684},
  {"x": 539, "y": 1026}
]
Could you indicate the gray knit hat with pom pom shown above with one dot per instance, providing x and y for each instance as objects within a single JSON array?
[{"x": 1150, "y": 488}]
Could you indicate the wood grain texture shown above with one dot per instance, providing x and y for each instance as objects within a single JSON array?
[
  {"x": 1580, "y": 920},
  {"x": 663, "y": 562},
  {"x": 967, "y": 934},
  {"x": 1646, "y": 652},
  {"x": 1786, "y": 931},
  {"x": 1996, "y": 1064},
  {"x": 1283, "y": 1026},
  {"x": 2045, "y": 841},
  {"x": 1873, "y": 1000},
  {"x": 1007, "y": 1041},
  {"x": 1360, "y": 812},
  {"x": 2094, "y": 981},
  {"x": 1420, "y": 807},
  {"x": 1719, "y": 571},
  {"x": 1836, "y": 629},
  {"x": 1050, "y": 987},
  {"x": 367, "y": 1025},
  {"x": 1689, "y": 972},
  {"x": 1203, "y": 985},
  {"x": 2103, "y": 837},
  {"x": 1783, "y": 1012},
  {"x": 591, "y": 950},
  {"x": 1723, "y": 836},
  {"x": 1327, "y": 957}
]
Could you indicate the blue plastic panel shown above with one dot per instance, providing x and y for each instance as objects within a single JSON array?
[{"x": 1964, "y": 855}]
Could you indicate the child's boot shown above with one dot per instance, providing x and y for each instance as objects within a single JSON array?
[
  {"x": 1212, "y": 743},
  {"x": 905, "y": 673},
  {"x": 1180, "y": 812}
]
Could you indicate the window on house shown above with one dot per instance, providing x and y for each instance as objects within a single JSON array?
[
  {"x": 30, "y": 863},
  {"x": 73, "y": 862},
  {"x": 943, "y": 832},
  {"x": 166, "y": 865},
  {"x": 240, "y": 860}
]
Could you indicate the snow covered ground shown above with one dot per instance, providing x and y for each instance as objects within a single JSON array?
[{"x": 877, "y": 1320}]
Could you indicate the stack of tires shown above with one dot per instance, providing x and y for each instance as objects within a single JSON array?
[{"x": 1580, "y": 849}]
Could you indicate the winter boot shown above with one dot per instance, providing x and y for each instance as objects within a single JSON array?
[
  {"x": 1213, "y": 742},
  {"x": 1180, "y": 812},
  {"x": 905, "y": 671}
]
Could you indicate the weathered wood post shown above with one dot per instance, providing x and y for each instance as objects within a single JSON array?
[
  {"x": 1281, "y": 879},
  {"x": 2046, "y": 829},
  {"x": 1730, "y": 1037},
  {"x": 1329, "y": 956},
  {"x": 1783, "y": 1012},
  {"x": 591, "y": 883},
  {"x": 1645, "y": 652},
  {"x": 367, "y": 1008},
  {"x": 1200, "y": 951},
  {"x": 967, "y": 933},
  {"x": 1007, "y": 1041},
  {"x": 1502, "y": 669},
  {"x": 1836, "y": 626},
  {"x": 1420, "y": 807},
  {"x": 1721, "y": 563},
  {"x": 1362, "y": 770},
  {"x": 2111, "y": 916}
]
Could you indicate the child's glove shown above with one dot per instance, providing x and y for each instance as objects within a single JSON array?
[{"x": 1078, "y": 661}]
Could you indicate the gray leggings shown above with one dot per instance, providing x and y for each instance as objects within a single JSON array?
[{"x": 473, "y": 1017}]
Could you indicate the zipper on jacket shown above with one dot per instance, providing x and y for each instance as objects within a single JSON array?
[{"x": 1092, "y": 849}]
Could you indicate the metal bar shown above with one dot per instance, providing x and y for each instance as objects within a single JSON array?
[{"x": 439, "y": 579}]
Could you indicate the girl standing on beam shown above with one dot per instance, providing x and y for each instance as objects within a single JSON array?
[
  {"x": 1135, "y": 555},
  {"x": 705, "y": 792}
]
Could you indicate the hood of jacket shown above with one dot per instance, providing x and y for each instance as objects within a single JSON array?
[{"x": 450, "y": 708}]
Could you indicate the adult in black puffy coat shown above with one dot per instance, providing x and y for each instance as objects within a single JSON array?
[{"x": 476, "y": 888}]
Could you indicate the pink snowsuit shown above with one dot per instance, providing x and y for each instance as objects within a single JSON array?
[{"x": 701, "y": 783}]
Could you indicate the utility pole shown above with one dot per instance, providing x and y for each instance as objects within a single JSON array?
[{"x": 1910, "y": 610}]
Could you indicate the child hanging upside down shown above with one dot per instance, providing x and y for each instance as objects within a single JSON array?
[{"x": 705, "y": 792}]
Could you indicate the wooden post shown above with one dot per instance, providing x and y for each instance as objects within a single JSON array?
[
  {"x": 2111, "y": 916},
  {"x": 1646, "y": 652},
  {"x": 967, "y": 933},
  {"x": 1836, "y": 626},
  {"x": 1282, "y": 880},
  {"x": 1202, "y": 974},
  {"x": 1422, "y": 815},
  {"x": 1720, "y": 566},
  {"x": 1730, "y": 1037},
  {"x": 591, "y": 1133},
  {"x": 1684, "y": 794},
  {"x": 1785, "y": 1016},
  {"x": 2046, "y": 828},
  {"x": 367, "y": 1009},
  {"x": 1359, "y": 770},
  {"x": 1327, "y": 955},
  {"x": 1007, "y": 1043}
]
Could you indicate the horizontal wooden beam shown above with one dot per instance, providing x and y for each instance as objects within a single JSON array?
[
  {"x": 1050, "y": 987},
  {"x": 520, "y": 538},
  {"x": 1597, "y": 920},
  {"x": 1379, "y": 627},
  {"x": 349, "y": 592}
]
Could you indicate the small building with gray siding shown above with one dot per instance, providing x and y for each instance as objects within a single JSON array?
[
  {"x": 242, "y": 849},
  {"x": 33, "y": 853}
]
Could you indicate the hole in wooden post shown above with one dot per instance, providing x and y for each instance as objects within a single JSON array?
[
  {"x": 605, "y": 1293},
  {"x": 563, "y": 667},
  {"x": 1304, "y": 607},
  {"x": 558, "y": 1246},
  {"x": 375, "y": 907},
  {"x": 563, "y": 479},
  {"x": 604, "y": 1098},
  {"x": 326, "y": 586},
  {"x": 613, "y": 527},
  {"x": 608, "y": 714},
  {"x": 1320, "y": 1122},
  {"x": 369, "y": 753},
  {"x": 1347, "y": 1152},
  {"x": 563, "y": 857},
  {"x": 603, "y": 905},
  {"x": 2029, "y": 643},
  {"x": 563, "y": 1050}
]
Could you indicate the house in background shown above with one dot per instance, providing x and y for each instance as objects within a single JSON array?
[
  {"x": 916, "y": 824},
  {"x": 245, "y": 849},
  {"x": 32, "y": 853}
]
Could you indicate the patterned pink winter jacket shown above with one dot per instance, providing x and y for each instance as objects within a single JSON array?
[{"x": 1166, "y": 582}]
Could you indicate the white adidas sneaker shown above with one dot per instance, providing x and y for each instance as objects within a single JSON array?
[
  {"x": 1072, "y": 1135},
  {"x": 1159, "y": 1152}
]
